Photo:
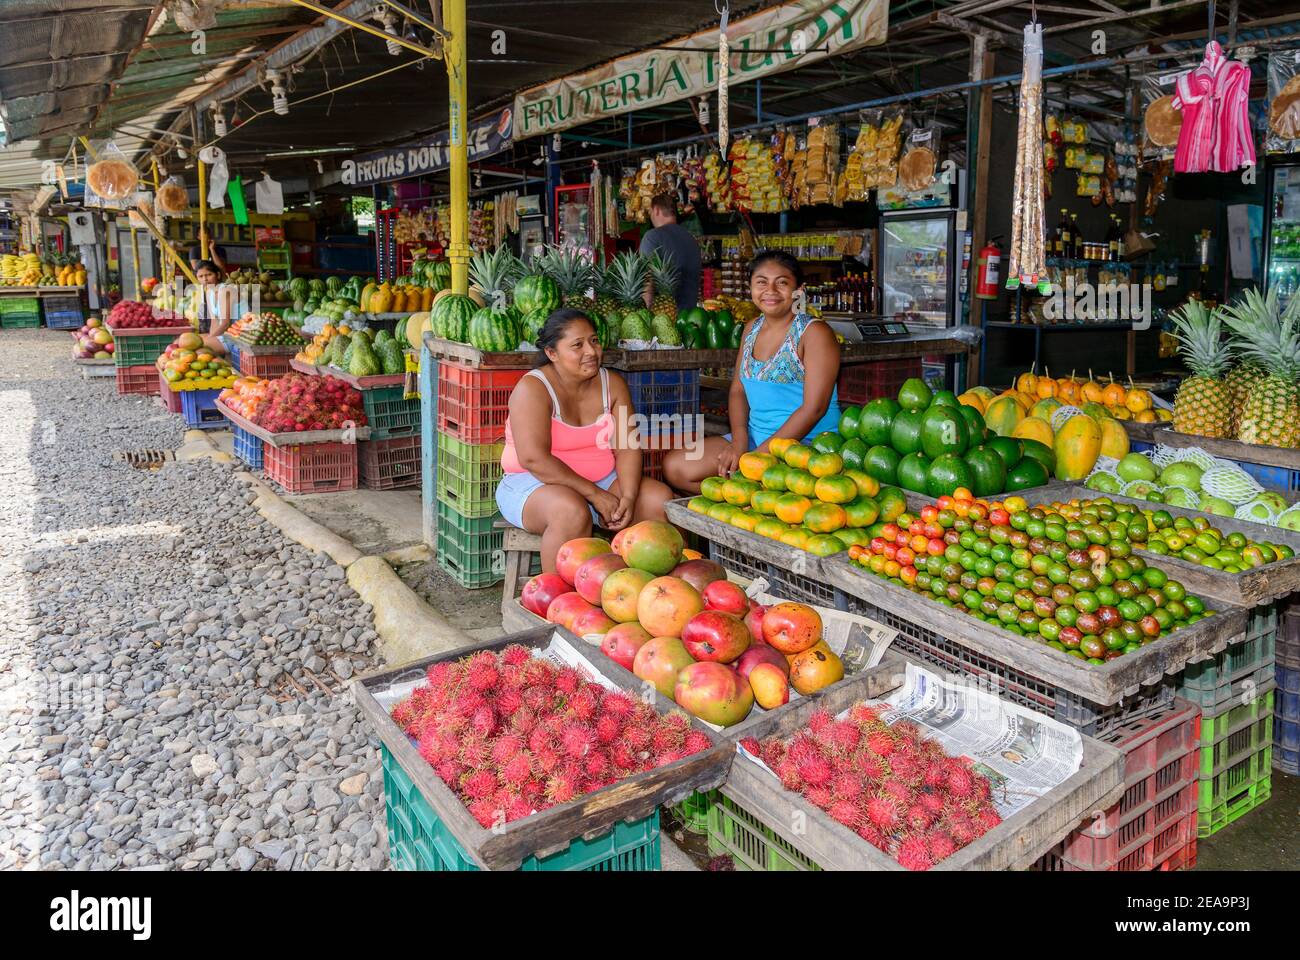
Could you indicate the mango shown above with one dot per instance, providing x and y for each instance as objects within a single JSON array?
[
  {"x": 1077, "y": 445},
  {"x": 1114, "y": 439},
  {"x": 1034, "y": 428}
]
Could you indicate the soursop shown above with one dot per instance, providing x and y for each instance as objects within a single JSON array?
[{"x": 664, "y": 331}]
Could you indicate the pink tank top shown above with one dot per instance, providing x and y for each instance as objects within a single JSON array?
[{"x": 584, "y": 450}]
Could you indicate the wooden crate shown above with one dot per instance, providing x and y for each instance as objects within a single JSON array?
[
  {"x": 1012, "y": 845},
  {"x": 551, "y": 830}
]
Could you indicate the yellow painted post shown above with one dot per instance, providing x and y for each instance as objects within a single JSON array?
[
  {"x": 454, "y": 52},
  {"x": 203, "y": 209}
]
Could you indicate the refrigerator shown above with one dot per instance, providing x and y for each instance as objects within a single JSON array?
[
  {"x": 917, "y": 266},
  {"x": 1282, "y": 227}
]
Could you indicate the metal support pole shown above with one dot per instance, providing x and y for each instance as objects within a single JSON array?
[
  {"x": 455, "y": 53},
  {"x": 203, "y": 209},
  {"x": 758, "y": 101}
]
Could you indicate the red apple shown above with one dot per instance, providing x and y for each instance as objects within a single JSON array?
[
  {"x": 761, "y": 653},
  {"x": 587, "y": 581},
  {"x": 715, "y": 636},
  {"x": 726, "y": 596},
  {"x": 540, "y": 591},
  {"x": 622, "y": 643}
]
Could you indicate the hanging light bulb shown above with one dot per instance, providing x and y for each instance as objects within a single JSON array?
[
  {"x": 218, "y": 121},
  {"x": 704, "y": 111},
  {"x": 279, "y": 96},
  {"x": 320, "y": 165},
  {"x": 478, "y": 178},
  {"x": 182, "y": 152},
  {"x": 387, "y": 18}
]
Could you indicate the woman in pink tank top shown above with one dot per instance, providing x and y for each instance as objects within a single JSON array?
[{"x": 571, "y": 456}]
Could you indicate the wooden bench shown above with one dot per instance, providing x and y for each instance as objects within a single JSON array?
[{"x": 518, "y": 546}]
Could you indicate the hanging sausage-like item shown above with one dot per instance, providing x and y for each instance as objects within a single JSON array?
[{"x": 1027, "y": 259}]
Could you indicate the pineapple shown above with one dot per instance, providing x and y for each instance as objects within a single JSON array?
[
  {"x": 626, "y": 282},
  {"x": 663, "y": 274},
  {"x": 1266, "y": 336},
  {"x": 1239, "y": 379},
  {"x": 1204, "y": 402},
  {"x": 573, "y": 274}
]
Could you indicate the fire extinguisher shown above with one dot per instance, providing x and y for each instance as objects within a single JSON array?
[{"x": 986, "y": 270}]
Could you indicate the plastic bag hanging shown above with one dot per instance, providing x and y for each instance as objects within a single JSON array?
[
  {"x": 218, "y": 176},
  {"x": 1027, "y": 259},
  {"x": 268, "y": 195},
  {"x": 173, "y": 199}
]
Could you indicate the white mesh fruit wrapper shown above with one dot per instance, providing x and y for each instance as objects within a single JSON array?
[
  {"x": 1196, "y": 455},
  {"x": 1162, "y": 455},
  {"x": 1257, "y": 511},
  {"x": 1230, "y": 483},
  {"x": 1104, "y": 465},
  {"x": 1062, "y": 414},
  {"x": 1119, "y": 482},
  {"x": 1139, "y": 489},
  {"x": 1192, "y": 502}
]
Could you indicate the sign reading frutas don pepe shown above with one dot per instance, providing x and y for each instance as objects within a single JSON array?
[{"x": 776, "y": 39}]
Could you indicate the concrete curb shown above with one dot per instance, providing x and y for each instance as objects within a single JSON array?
[{"x": 408, "y": 628}]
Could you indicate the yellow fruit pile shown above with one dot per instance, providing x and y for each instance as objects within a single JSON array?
[{"x": 313, "y": 351}]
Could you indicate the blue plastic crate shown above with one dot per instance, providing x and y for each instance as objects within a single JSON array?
[
  {"x": 232, "y": 348},
  {"x": 248, "y": 448},
  {"x": 1272, "y": 478},
  {"x": 1286, "y": 721},
  {"x": 63, "y": 319},
  {"x": 419, "y": 840},
  {"x": 664, "y": 392},
  {"x": 199, "y": 408},
  {"x": 1140, "y": 446}
]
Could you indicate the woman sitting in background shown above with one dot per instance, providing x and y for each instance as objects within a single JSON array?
[
  {"x": 570, "y": 457},
  {"x": 783, "y": 384}
]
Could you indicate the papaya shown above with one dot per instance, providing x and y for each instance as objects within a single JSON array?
[
  {"x": 972, "y": 399},
  {"x": 1097, "y": 411},
  {"x": 1034, "y": 428},
  {"x": 1114, "y": 439},
  {"x": 1003, "y": 414},
  {"x": 381, "y": 301},
  {"x": 367, "y": 291},
  {"x": 1077, "y": 445},
  {"x": 1045, "y": 408}
]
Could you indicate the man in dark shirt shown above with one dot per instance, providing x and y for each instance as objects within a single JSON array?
[
  {"x": 674, "y": 240},
  {"x": 216, "y": 253}
]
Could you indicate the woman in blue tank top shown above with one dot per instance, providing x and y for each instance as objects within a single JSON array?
[{"x": 784, "y": 380}]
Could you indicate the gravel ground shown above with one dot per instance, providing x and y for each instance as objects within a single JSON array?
[{"x": 150, "y": 622}]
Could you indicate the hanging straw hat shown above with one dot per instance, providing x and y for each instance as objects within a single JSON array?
[{"x": 1163, "y": 121}]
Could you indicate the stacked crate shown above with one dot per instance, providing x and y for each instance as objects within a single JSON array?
[
  {"x": 1235, "y": 692},
  {"x": 472, "y": 406},
  {"x": 390, "y": 459},
  {"x": 20, "y": 312},
  {"x": 135, "y": 353},
  {"x": 63, "y": 313},
  {"x": 860, "y": 382},
  {"x": 669, "y": 402},
  {"x": 1286, "y": 698}
]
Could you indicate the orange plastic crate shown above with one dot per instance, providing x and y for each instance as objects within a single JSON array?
[
  {"x": 312, "y": 467},
  {"x": 473, "y": 404},
  {"x": 142, "y": 379}
]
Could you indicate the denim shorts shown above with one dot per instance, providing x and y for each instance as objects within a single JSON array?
[{"x": 515, "y": 488}]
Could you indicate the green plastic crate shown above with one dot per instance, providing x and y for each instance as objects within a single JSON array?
[
  {"x": 468, "y": 475},
  {"x": 20, "y": 306},
  {"x": 141, "y": 350},
  {"x": 390, "y": 414},
  {"x": 1236, "y": 764},
  {"x": 16, "y": 321},
  {"x": 694, "y": 811},
  {"x": 752, "y": 844},
  {"x": 418, "y": 839},
  {"x": 1218, "y": 682},
  {"x": 469, "y": 548}
]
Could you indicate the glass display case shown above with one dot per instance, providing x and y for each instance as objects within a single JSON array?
[{"x": 915, "y": 268}]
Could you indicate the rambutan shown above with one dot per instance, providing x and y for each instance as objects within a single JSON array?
[
  {"x": 843, "y": 736},
  {"x": 466, "y": 702},
  {"x": 863, "y": 713},
  {"x": 505, "y": 747},
  {"x": 474, "y": 750},
  {"x": 618, "y": 704},
  {"x": 988, "y": 818},
  {"x": 567, "y": 681},
  {"x": 816, "y": 770},
  {"x": 518, "y": 769},
  {"x": 667, "y": 738},
  {"x": 751, "y": 746},
  {"x": 515, "y": 654},
  {"x": 484, "y": 721},
  {"x": 440, "y": 674},
  {"x": 914, "y": 853},
  {"x": 819, "y": 797},
  {"x": 622, "y": 755},
  {"x": 576, "y": 739},
  {"x": 548, "y": 758},
  {"x": 905, "y": 768},
  {"x": 846, "y": 786},
  {"x": 906, "y": 730},
  {"x": 637, "y": 737},
  {"x": 935, "y": 774},
  {"x": 983, "y": 790},
  {"x": 585, "y": 702},
  {"x": 539, "y": 738},
  {"x": 404, "y": 714},
  {"x": 788, "y": 771},
  {"x": 430, "y": 749},
  {"x": 595, "y": 765},
  {"x": 539, "y": 698},
  {"x": 818, "y": 720},
  {"x": 899, "y": 791},
  {"x": 941, "y": 845},
  {"x": 449, "y": 772},
  {"x": 479, "y": 784},
  {"x": 671, "y": 755},
  {"x": 481, "y": 671},
  {"x": 509, "y": 701},
  {"x": 931, "y": 801},
  {"x": 561, "y": 786},
  {"x": 697, "y": 741},
  {"x": 869, "y": 832},
  {"x": 486, "y": 812},
  {"x": 539, "y": 673},
  {"x": 846, "y": 812},
  {"x": 962, "y": 828},
  {"x": 883, "y": 810},
  {"x": 961, "y": 782},
  {"x": 607, "y": 728},
  {"x": 534, "y": 790},
  {"x": 517, "y": 809},
  {"x": 881, "y": 743},
  {"x": 919, "y": 816},
  {"x": 871, "y": 766},
  {"x": 773, "y": 752},
  {"x": 801, "y": 747},
  {"x": 522, "y": 721}
]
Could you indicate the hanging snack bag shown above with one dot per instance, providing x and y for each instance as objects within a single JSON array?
[
  {"x": 1283, "y": 102},
  {"x": 111, "y": 176},
  {"x": 916, "y": 170},
  {"x": 173, "y": 199}
]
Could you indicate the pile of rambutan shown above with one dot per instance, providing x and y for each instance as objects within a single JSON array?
[
  {"x": 512, "y": 733},
  {"x": 900, "y": 792}
]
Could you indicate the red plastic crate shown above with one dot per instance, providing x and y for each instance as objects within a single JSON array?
[
  {"x": 1132, "y": 845},
  {"x": 389, "y": 464},
  {"x": 169, "y": 397},
  {"x": 142, "y": 379},
  {"x": 1160, "y": 754},
  {"x": 861, "y": 382},
  {"x": 312, "y": 467},
  {"x": 275, "y": 365},
  {"x": 473, "y": 404}
]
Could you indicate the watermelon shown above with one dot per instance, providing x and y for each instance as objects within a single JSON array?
[
  {"x": 451, "y": 317},
  {"x": 608, "y": 338},
  {"x": 494, "y": 329},
  {"x": 536, "y": 292},
  {"x": 400, "y": 332},
  {"x": 531, "y": 326},
  {"x": 334, "y": 285},
  {"x": 298, "y": 288}
]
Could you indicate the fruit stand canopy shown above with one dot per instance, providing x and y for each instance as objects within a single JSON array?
[{"x": 95, "y": 67}]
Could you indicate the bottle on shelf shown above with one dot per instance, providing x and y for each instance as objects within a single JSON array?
[
  {"x": 1076, "y": 238},
  {"x": 1064, "y": 243},
  {"x": 1113, "y": 239}
]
